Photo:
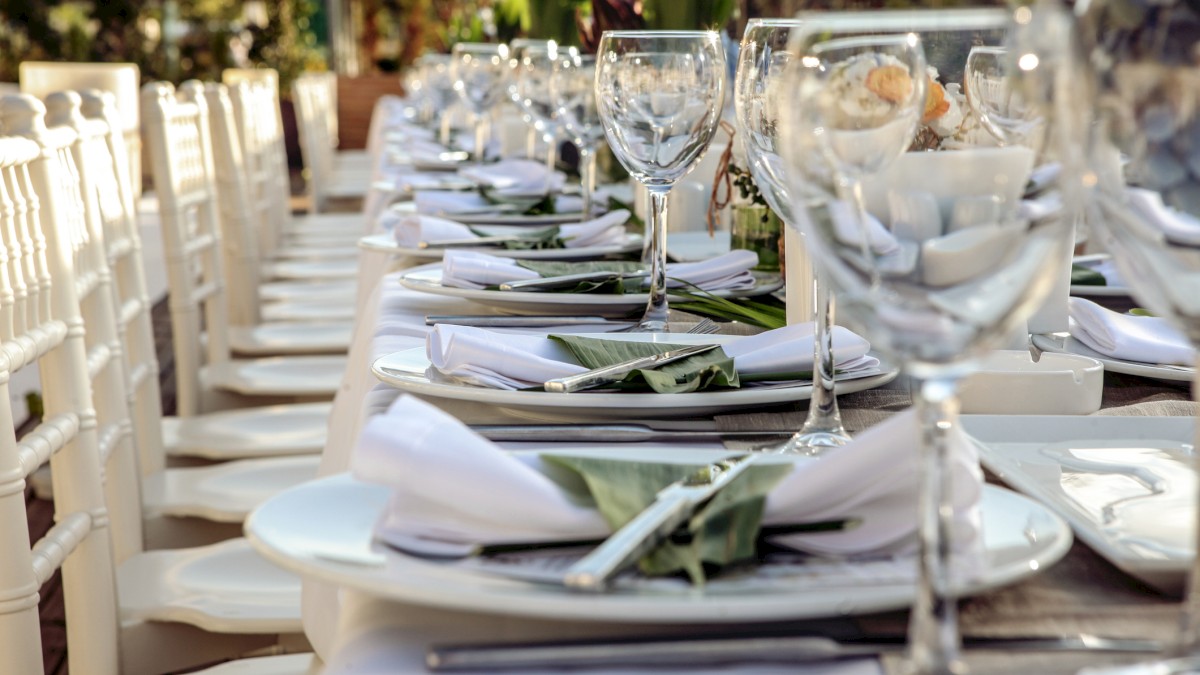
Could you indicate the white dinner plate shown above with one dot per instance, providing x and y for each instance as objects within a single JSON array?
[
  {"x": 409, "y": 371},
  {"x": 387, "y": 243},
  {"x": 1082, "y": 466},
  {"x": 428, "y": 278},
  {"x": 1097, "y": 291},
  {"x": 323, "y": 530},
  {"x": 1067, "y": 344}
]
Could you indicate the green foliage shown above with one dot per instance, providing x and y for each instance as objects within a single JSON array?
[
  {"x": 691, "y": 15},
  {"x": 553, "y": 20}
]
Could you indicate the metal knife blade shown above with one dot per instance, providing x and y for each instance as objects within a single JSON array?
[
  {"x": 613, "y": 373},
  {"x": 610, "y": 433},
  {"x": 672, "y": 507},
  {"x": 568, "y": 280},
  {"x": 507, "y": 320},
  {"x": 494, "y": 240},
  {"x": 709, "y": 650}
]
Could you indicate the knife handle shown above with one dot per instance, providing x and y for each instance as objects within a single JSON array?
[
  {"x": 587, "y": 380},
  {"x": 626, "y": 545}
]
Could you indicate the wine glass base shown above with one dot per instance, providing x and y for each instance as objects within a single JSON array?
[
  {"x": 810, "y": 444},
  {"x": 1179, "y": 666},
  {"x": 651, "y": 326}
]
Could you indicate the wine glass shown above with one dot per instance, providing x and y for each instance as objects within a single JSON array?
[
  {"x": 516, "y": 48},
  {"x": 936, "y": 295},
  {"x": 659, "y": 95},
  {"x": 1001, "y": 108},
  {"x": 573, "y": 88},
  {"x": 1144, "y": 166},
  {"x": 760, "y": 87},
  {"x": 534, "y": 69},
  {"x": 477, "y": 69}
]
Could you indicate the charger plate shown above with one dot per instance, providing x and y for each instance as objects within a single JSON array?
[
  {"x": 323, "y": 530},
  {"x": 386, "y": 243}
]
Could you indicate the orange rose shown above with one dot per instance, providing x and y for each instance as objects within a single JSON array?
[
  {"x": 936, "y": 104},
  {"x": 890, "y": 83}
]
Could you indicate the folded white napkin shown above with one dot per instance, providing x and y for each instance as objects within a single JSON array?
[
  {"x": 728, "y": 272},
  {"x": 411, "y": 229},
  {"x": 1143, "y": 339},
  {"x": 1178, "y": 226},
  {"x": 490, "y": 359},
  {"x": 449, "y": 203},
  {"x": 516, "y": 177},
  {"x": 454, "y": 487}
]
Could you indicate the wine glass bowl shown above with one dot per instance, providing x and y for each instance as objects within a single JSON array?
[
  {"x": 659, "y": 95},
  {"x": 534, "y": 69},
  {"x": 1001, "y": 109}
]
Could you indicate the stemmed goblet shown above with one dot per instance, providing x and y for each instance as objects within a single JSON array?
[
  {"x": 478, "y": 69},
  {"x": 1144, "y": 166},
  {"x": 999, "y": 107},
  {"x": 659, "y": 95},
  {"x": 934, "y": 296},
  {"x": 760, "y": 87},
  {"x": 535, "y": 66},
  {"x": 573, "y": 87}
]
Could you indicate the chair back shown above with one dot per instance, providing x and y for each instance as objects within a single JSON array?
[
  {"x": 41, "y": 323},
  {"x": 263, "y": 151},
  {"x": 176, "y": 132},
  {"x": 41, "y": 78},
  {"x": 239, "y": 215},
  {"x": 103, "y": 167},
  {"x": 311, "y": 95}
]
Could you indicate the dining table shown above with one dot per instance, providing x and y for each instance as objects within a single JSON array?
[{"x": 355, "y": 630}]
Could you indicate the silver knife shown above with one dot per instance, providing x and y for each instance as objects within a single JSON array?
[
  {"x": 610, "y": 433},
  {"x": 509, "y": 320},
  {"x": 472, "y": 241},
  {"x": 673, "y": 506},
  {"x": 613, "y": 373},
  {"x": 568, "y": 280},
  {"x": 706, "y": 651}
]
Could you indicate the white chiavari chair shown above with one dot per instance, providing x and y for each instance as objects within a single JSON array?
[
  {"x": 254, "y": 432},
  {"x": 223, "y": 493},
  {"x": 248, "y": 335},
  {"x": 315, "y": 97},
  {"x": 237, "y": 174},
  {"x": 119, "y": 601},
  {"x": 177, "y": 135}
]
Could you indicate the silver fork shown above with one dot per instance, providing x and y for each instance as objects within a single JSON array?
[{"x": 705, "y": 326}]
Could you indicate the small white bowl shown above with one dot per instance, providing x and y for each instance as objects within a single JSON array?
[{"x": 1010, "y": 383}]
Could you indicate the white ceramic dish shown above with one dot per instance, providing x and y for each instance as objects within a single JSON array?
[
  {"x": 386, "y": 243},
  {"x": 951, "y": 175},
  {"x": 1148, "y": 535},
  {"x": 428, "y": 278},
  {"x": 1010, "y": 383},
  {"x": 408, "y": 371},
  {"x": 1097, "y": 291},
  {"x": 323, "y": 530},
  {"x": 1066, "y": 344}
]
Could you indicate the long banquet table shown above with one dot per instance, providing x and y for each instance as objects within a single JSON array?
[{"x": 355, "y": 632}]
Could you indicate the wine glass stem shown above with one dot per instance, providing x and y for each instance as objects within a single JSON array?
[
  {"x": 1189, "y": 620},
  {"x": 655, "y": 319},
  {"x": 480, "y": 137},
  {"x": 824, "y": 421},
  {"x": 933, "y": 640},
  {"x": 551, "y": 152},
  {"x": 531, "y": 141},
  {"x": 587, "y": 177}
]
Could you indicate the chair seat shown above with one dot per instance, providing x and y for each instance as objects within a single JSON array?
[
  {"x": 327, "y": 222},
  {"x": 291, "y": 338},
  {"x": 277, "y": 376},
  {"x": 223, "y": 588},
  {"x": 224, "y": 493},
  {"x": 312, "y": 269},
  {"x": 339, "y": 289},
  {"x": 315, "y": 252},
  {"x": 288, "y": 664},
  {"x": 269, "y": 431},
  {"x": 298, "y": 309}
]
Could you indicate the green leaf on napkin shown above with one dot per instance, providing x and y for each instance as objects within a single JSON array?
[
  {"x": 1086, "y": 276},
  {"x": 546, "y": 268},
  {"x": 707, "y": 370},
  {"x": 532, "y": 206},
  {"x": 534, "y": 240},
  {"x": 722, "y": 531},
  {"x": 766, "y": 312}
]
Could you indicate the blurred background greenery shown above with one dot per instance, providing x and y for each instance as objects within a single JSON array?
[{"x": 180, "y": 39}]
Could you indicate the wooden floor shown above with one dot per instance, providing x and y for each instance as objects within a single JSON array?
[{"x": 41, "y": 512}]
